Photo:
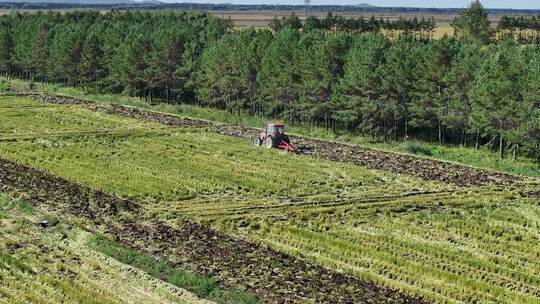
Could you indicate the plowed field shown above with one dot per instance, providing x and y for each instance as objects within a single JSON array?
[{"x": 334, "y": 223}]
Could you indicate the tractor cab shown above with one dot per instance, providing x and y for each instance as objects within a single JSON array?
[
  {"x": 274, "y": 136},
  {"x": 275, "y": 129}
]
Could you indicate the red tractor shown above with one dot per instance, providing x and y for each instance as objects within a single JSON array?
[{"x": 274, "y": 137}]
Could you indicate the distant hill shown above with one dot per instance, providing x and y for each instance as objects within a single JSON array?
[
  {"x": 185, "y": 4},
  {"x": 364, "y": 5}
]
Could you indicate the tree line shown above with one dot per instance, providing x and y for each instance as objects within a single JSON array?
[
  {"x": 142, "y": 54},
  {"x": 421, "y": 28},
  {"x": 453, "y": 90},
  {"x": 521, "y": 28}
]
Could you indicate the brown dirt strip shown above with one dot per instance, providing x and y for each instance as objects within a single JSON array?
[
  {"x": 533, "y": 194},
  {"x": 424, "y": 168},
  {"x": 272, "y": 276}
]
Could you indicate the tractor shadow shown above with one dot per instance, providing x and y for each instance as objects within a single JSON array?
[{"x": 304, "y": 150}]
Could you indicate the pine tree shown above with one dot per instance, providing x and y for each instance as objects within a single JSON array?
[
  {"x": 460, "y": 79},
  {"x": 166, "y": 72},
  {"x": 229, "y": 70},
  {"x": 92, "y": 67},
  {"x": 498, "y": 104},
  {"x": 430, "y": 105},
  {"x": 531, "y": 126},
  {"x": 473, "y": 24},
  {"x": 293, "y": 22},
  {"x": 400, "y": 74},
  {"x": 358, "y": 96},
  {"x": 316, "y": 80},
  {"x": 260, "y": 41},
  {"x": 132, "y": 64},
  {"x": 312, "y": 23},
  {"x": 223, "y": 84},
  {"x": 280, "y": 77},
  {"x": 66, "y": 47},
  {"x": 328, "y": 22},
  {"x": 39, "y": 57},
  {"x": 6, "y": 48},
  {"x": 22, "y": 47}
]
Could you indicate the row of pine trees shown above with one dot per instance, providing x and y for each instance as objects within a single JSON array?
[
  {"x": 139, "y": 53},
  {"x": 453, "y": 90},
  {"x": 420, "y": 28},
  {"x": 524, "y": 29}
]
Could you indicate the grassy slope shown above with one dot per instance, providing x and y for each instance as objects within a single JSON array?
[
  {"x": 55, "y": 265},
  {"x": 475, "y": 244},
  {"x": 477, "y": 158}
]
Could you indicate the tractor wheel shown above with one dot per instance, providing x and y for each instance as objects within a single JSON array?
[
  {"x": 269, "y": 143},
  {"x": 257, "y": 142}
]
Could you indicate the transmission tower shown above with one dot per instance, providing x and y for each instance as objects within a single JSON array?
[{"x": 307, "y": 4}]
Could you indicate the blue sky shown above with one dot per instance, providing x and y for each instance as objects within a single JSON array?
[{"x": 516, "y": 4}]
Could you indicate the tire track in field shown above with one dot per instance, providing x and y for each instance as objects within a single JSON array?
[
  {"x": 381, "y": 200},
  {"x": 392, "y": 202}
]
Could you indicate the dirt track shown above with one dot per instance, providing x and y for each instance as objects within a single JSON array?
[
  {"x": 397, "y": 163},
  {"x": 272, "y": 276}
]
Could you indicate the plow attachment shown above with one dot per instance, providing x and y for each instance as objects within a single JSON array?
[{"x": 285, "y": 146}]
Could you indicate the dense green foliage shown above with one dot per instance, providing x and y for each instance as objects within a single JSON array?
[
  {"x": 389, "y": 88},
  {"x": 141, "y": 53}
]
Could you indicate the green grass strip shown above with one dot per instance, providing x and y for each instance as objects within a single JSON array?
[{"x": 202, "y": 286}]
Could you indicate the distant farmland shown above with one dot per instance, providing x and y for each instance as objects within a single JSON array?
[{"x": 262, "y": 18}]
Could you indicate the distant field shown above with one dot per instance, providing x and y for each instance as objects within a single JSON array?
[{"x": 263, "y": 18}]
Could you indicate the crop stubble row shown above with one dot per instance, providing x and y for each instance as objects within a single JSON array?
[{"x": 272, "y": 276}]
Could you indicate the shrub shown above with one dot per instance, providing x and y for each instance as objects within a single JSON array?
[
  {"x": 4, "y": 87},
  {"x": 415, "y": 148}
]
